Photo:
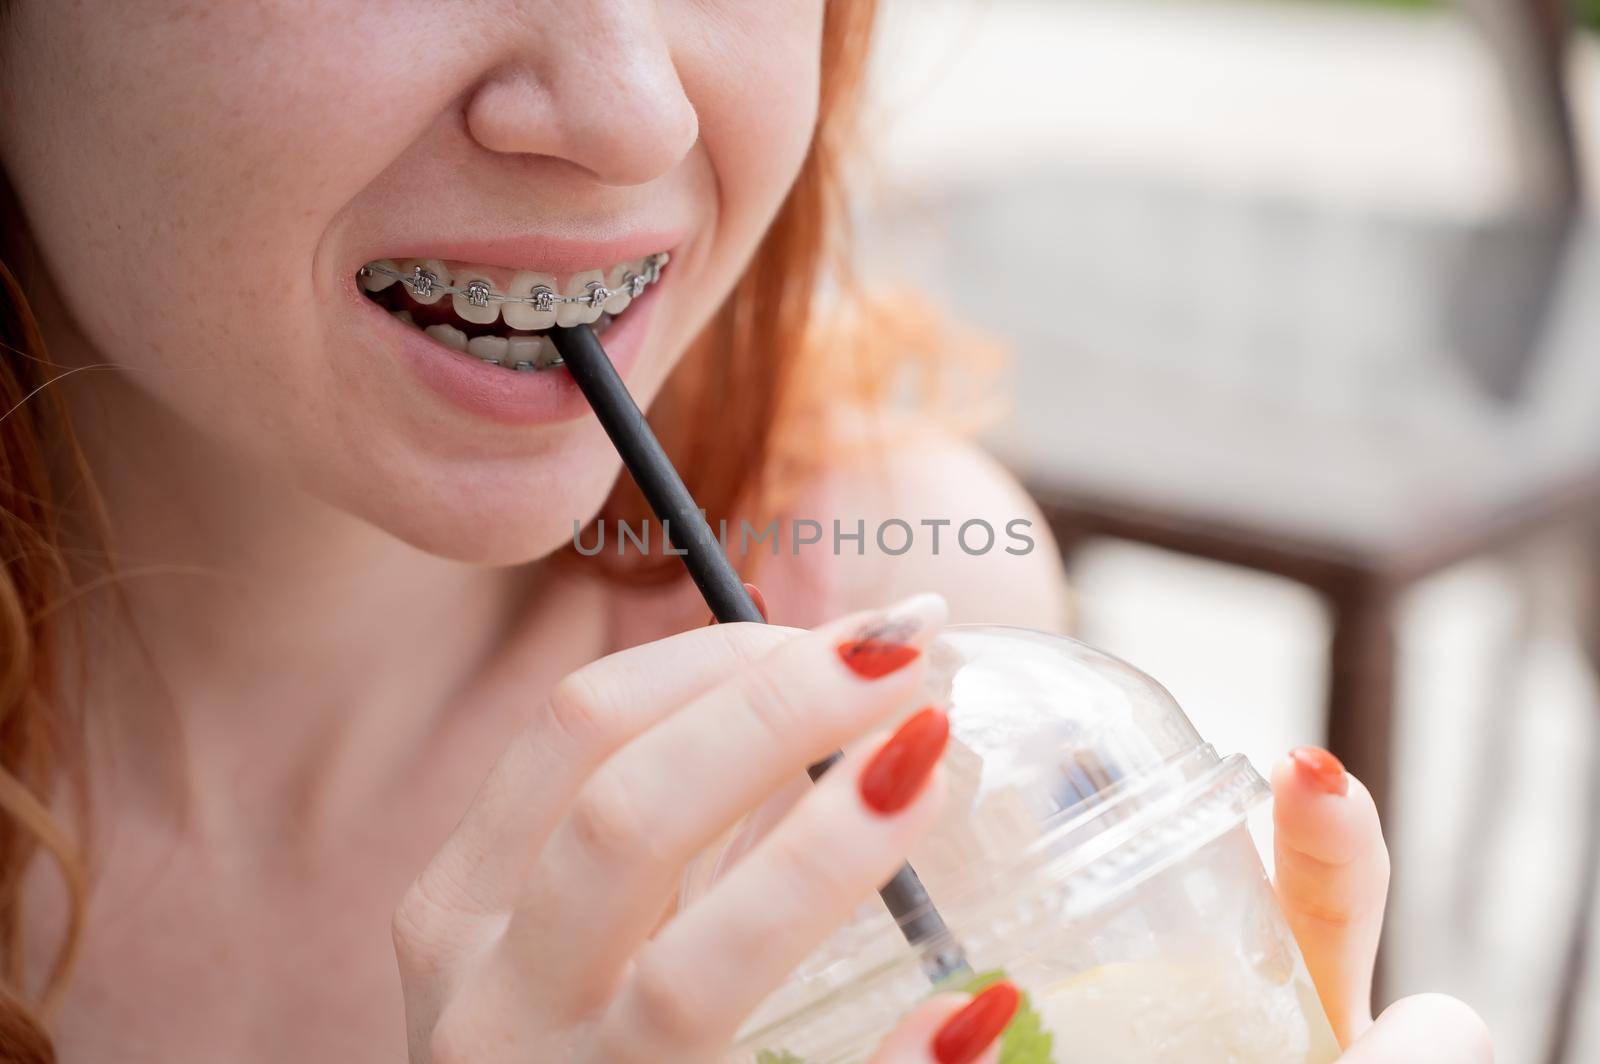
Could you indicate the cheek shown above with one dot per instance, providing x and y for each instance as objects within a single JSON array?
[
  {"x": 192, "y": 163},
  {"x": 755, "y": 92}
]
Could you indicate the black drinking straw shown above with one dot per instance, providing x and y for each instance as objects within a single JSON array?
[{"x": 904, "y": 895}]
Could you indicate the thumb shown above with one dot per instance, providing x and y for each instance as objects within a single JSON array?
[{"x": 1426, "y": 1029}]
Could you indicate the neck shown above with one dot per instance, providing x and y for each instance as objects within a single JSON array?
[{"x": 261, "y": 659}]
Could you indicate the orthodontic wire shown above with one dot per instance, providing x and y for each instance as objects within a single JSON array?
[{"x": 543, "y": 298}]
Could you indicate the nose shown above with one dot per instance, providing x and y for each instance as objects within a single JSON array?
[{"x": 593, "y": 84}]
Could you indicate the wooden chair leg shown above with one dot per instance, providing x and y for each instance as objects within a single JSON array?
[{"x": 1361, "y": 697}]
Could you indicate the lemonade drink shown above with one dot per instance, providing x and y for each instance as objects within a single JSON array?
[{"x": 1092, "y": 848}]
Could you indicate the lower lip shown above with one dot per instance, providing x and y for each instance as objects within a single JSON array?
[{"x": 512, "y": 397}]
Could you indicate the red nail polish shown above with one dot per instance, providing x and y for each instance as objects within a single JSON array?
[
  {"x": 1321, "y": 768},
  {"x": 897, "y": 772},
  {"x": 759, "y": 599},
  {"x": 871, "y": 659},
  {"x": 879, "y": 649},
  {"x": 969, "y": 1032}
]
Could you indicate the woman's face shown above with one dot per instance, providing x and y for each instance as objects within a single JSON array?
[{"x": 204, "y": 180}]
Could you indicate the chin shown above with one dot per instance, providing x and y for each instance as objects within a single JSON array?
[{"x": 514, "y": 513}]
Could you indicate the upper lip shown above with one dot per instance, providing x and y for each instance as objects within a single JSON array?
[{"x": 533, "y": 251}]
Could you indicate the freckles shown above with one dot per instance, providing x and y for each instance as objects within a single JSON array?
[
  {"x": 755, "y": 84},
  {"x": 758, "y": 132}
]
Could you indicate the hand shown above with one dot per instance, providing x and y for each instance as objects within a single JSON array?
[
  {"x": 536, "y": 933},
  {"x": 1332, "y": 879}
]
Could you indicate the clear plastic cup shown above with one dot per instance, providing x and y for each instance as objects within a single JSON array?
[{"x": 1092, "y": 848}]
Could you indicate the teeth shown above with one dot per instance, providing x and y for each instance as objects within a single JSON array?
[
  {"x": 488, "y": 348},
  {"x": 570, "y": 314},
  {"x": 448, "y": 335},
  {"x": 522, "y": 315},
  {"x": 547, "y": 355},
  {"x": 596, "y": 298},
  {"x": 522, "y": 349},
  {"x": 465, "y": 309},
  {"x": 617, "y": 281},
  {"x": 440, "y": 272},
  {"x": 377, "y": 282}
]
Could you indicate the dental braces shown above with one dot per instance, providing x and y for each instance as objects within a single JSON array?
[{"x": 423, "y": 283}]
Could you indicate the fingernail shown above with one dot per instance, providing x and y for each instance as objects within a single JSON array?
[
  {"x": 1321, "y": 768},
  {"x": 896, "y": 773},
  {"x": 892, "y": 639},
  {"x": 758, "y": 598},
  {"x": 965, "y": 1036}
]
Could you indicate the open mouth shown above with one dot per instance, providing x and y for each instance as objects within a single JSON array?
[{"x": 500, "y": 317}]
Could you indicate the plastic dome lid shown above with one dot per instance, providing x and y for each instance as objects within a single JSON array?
[{"x": 1071, "y": 777}]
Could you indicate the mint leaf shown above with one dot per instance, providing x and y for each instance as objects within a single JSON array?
[{"x": 768, "y": 1056}]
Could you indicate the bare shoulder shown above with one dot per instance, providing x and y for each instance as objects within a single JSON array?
[{"x": 931, "y": 512}]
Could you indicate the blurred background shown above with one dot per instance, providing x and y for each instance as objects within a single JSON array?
[{"x": 1302, "y": 300}]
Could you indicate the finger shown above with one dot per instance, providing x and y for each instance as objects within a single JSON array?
[
  {"x": 953, "y": 1029},
  {"x": 616, "y": 861},
  {"x": 759, "y": 599},
  {"x": 1332, "y": 880},
  {"x": 1426, "y": 1029},
  {"x": 483, "y": 866},
  {"x": 755, "y": 596},
  {"x": 693, "y": 985}
]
